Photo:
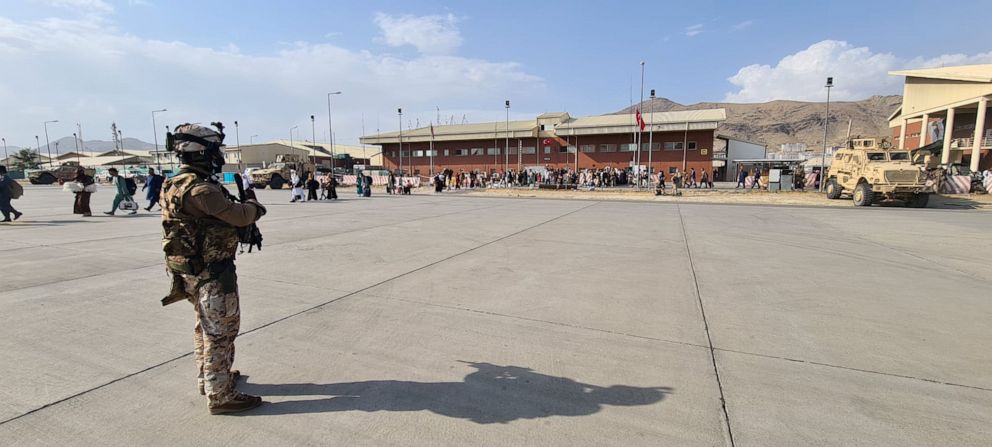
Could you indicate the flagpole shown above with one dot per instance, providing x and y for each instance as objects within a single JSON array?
[
  {"x": 651, "y": 136},
  {"x": 637, "y": 172}
]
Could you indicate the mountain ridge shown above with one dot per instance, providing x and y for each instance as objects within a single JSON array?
[{"x": 786, "y": 121}]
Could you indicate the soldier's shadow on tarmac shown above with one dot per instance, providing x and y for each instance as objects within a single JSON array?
[{"x": 492, "y": 394}]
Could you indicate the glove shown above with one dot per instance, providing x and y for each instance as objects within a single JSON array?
[{"x": 258, "y": 206}]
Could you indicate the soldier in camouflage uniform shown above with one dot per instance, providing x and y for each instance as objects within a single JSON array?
[{"x": 200, "y": 222}]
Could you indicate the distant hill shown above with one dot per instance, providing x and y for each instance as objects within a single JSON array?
[{"x": 779, "y": 122}]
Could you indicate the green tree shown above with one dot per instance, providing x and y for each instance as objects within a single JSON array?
[{"x": 25, "y": 159}]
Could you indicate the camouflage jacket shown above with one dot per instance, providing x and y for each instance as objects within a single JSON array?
[{"x": 199, "y": 222}]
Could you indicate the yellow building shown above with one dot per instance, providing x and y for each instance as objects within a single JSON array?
[{"x": 951, "y": 101}]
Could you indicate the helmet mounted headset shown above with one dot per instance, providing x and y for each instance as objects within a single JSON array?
[{"x": 212, "y": 152}]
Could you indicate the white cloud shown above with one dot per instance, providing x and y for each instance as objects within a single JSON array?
[
  {"x": 857, "y": 71},
  {"x": 85, "y": 70},
  {"x": 693, "y": 30},
  {"x": 428, "y": 34},
  {"x": 93, "y": 6},
  {"x": 742, "y": 25}
]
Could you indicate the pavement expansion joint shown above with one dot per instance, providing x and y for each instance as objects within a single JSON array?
[
  {"x": 706, "y": 326},
  {"x": 295, "y": 314}
]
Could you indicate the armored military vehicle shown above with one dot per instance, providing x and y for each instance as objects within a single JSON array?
[
  {"x": 870, "y": 171},
  {"x": 63, "y": 173},
  {"x": 279, "y": 173}
]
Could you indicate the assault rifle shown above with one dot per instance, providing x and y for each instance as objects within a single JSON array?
[{"x": 249, "y": 235}]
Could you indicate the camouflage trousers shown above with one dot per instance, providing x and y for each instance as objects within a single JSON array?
[{"x": 218, "y": 320}]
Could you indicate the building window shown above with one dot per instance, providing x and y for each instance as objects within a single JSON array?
[
  {"x": 654, "y": 146},
  {"x": 607, "y": 148},
  {"x": 673, "y": 146},
  {"x": 672, "y": 169},
  {"x": 478, "y": 151},
  {"x": 691, "y": 145},
  {"x": 404, "y": 153},
  {"x": 492, "y": 151},
  {"x": 430, "y": 153},
  {"x": 547, "y": 149},
  {"x": 419, "y": 153},
  {"x": 529, "y": 150},
  {"x": 447, "y": 153},
  {"x": 564, "y": 150},
  {"x": 628, "y": 147},
  {"x": 587, "y": 148},
  {"x": 461, "y": 152},
  {"x": 513, "y": 150}
]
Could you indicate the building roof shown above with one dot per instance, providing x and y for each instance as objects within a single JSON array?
[
  {"x": 601, "y": 124},
  {"x": 971, "y": 73},
  {"x": 691, "y": 116}
]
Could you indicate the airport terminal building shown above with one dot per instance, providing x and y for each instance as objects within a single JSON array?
[{"x": 678, "y": 140}]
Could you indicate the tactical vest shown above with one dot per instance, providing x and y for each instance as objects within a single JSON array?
[{"x": 192, "y": 244}]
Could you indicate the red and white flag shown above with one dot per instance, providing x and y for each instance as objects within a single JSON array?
[{"x": 640, "y": 121}]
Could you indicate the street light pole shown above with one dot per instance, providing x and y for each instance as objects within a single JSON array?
[
  {"x": 650, "y": 135},
  {"x": 291, "y": 145},
  {"x": 158, "y": 155},
  {"x": 251, "y": 139},
  {"x": 826, "y": 121},
  {"x": 313, "y": 134},
  {"x": 330, "y": 128},
  {"x": 5, "y": 156},
  {"x": 47, "y": 143},
  {"x": 400, "y": 111},
  {"x": 75, "y": 144},
  {"x": 506, "y": 146},
  {"x": 37, "y": 143},
  {"x": 237, "y": 140}
]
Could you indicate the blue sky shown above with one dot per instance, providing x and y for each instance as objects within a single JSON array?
[{"x": 269, "y": 64}]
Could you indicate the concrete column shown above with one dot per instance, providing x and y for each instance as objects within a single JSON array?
[
  {"x": 923, "y": 129},
  {"x": 945, "y": 155},
  {"x": 903, "y": 134},
  {"x": 976, "y": 147}
]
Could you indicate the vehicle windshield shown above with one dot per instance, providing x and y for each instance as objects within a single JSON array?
[
  {"x": 876, "y": 156},
  {"x": 897, "y": 156}
]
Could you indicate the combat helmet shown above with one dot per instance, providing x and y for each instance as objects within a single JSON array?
[{"x": 198, "y": 145}]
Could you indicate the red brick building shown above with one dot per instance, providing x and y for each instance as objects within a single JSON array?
[{"x": 681, "y": 140}]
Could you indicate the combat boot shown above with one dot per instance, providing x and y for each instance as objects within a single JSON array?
[
  {"x": 240, "y": 402},
  {"x": 235, "y": 375}
]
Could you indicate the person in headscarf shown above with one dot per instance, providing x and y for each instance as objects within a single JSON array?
[
  {"x": 82, "y": 203},
  {"x": 359, "y": 182},
  {"x": 296, "y": 190},
  {"x": 312, "y": 186}
]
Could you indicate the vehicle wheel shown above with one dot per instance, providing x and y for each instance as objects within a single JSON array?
[
  {"x": 833, "y": 189},
  {"x": 46, "y": 179},
  {"x": 919, "y": 200},
  {"x": 863, "y": 195},
  {"x": 276, "y": 182}
]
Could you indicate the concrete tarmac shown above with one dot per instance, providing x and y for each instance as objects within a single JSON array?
[{"x": 454, "y": 320}]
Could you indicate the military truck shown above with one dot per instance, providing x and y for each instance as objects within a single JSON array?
[
  {"x": 870, "y": 171},
  {"x": 63, "y": 173},
  {"x": 279, "y": 173}
]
